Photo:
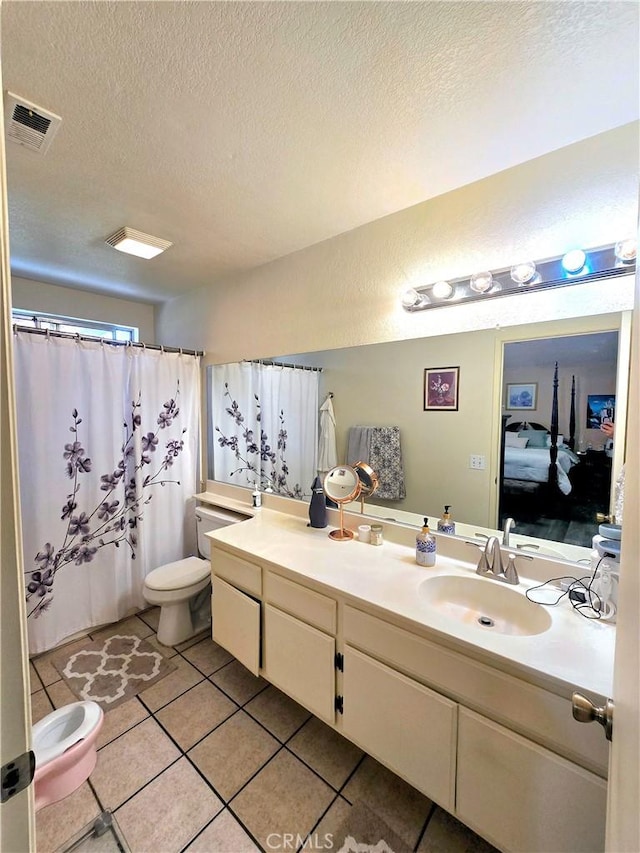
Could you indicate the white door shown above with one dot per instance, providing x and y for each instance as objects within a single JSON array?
[
  {"x": 17, "y": 830},
  {"x": 623, "y": 815}
]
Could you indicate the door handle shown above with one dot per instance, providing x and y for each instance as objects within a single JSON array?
[{"x": 584, "y": 711}]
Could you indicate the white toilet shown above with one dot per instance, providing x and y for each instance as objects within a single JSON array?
[{"x": 183, "y": 589}]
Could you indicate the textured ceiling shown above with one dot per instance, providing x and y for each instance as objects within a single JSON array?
[{"x": 246, "y": 131}]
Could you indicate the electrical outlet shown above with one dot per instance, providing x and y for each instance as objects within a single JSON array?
[{"x": 477, "y": 462}]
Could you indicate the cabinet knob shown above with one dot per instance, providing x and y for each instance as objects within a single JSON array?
[
  {"x": 584, "y": 711},
  {"x": 603, "y": 516}
]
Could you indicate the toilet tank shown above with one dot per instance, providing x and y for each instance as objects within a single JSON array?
[{"x": 210, "y": 518}]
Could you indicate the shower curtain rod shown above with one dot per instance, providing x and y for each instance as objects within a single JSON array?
[
  {"x": 269, "y": 362},
  {"x": 52, "y": 333}
]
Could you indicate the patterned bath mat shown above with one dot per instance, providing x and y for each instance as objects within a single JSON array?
[{"x": 112, "y": 670}]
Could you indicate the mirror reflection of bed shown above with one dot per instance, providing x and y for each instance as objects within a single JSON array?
[{"x": 556, "y": 463}]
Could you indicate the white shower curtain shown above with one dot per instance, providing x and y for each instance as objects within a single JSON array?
[
  {"x": 108, "y": 452},
  {"x": 265, "y": 426}
]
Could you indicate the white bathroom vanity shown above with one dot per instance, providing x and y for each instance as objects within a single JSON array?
[{"x": 390, "y": 654}]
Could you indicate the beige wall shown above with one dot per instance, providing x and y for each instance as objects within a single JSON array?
[
  {"x": 345, "y": 291},
  {"x": 30, "y": 295}
]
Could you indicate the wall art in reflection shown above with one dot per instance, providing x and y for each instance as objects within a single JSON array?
[{"x": 441, "y": 386}]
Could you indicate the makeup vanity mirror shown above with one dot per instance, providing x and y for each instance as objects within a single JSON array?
[
  {"x": 342, "y": 485},
  {"x": 369, "y": 481}
]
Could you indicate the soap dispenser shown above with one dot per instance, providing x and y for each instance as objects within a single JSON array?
[
  {"x": 446, "y": 523},
  {"x": 425, "y": 547},
  {"x": 256, "y": 496}
]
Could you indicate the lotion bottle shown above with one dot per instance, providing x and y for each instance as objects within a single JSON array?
[
  {"x": 425, "y": 547},
  {"x": 446, "y": 523}
]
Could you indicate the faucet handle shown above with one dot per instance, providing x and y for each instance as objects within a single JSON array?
[{"x": 511, "y": 573}]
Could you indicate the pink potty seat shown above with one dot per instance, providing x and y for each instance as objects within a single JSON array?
[{"x": 64, "y": 744}]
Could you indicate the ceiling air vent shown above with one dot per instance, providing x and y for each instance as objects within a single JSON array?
[{"x": 29, "y": 125}]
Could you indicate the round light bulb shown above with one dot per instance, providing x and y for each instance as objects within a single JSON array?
[
  {"x": 480, "y": 282},
  {"x": 574, "y": 260},
  {"x": 442, "y": 290},
  {"x": 410, "y": 298},
  {"x": 523, "y": 273},
  {"x": 626, "y": 250}
]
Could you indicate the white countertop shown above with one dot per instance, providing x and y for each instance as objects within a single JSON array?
[{"x": 573, "y": 653}]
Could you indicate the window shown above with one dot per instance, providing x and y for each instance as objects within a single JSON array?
[{"x": 74, "y": 326}]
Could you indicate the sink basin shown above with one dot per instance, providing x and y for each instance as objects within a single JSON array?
[{"x": 485, "y": 604}]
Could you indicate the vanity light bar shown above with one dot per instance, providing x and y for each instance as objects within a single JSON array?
[{"x": 574, "y": 267}]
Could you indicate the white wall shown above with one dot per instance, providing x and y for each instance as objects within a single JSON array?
[
  {"x": 37, "y": 296},
  {"x": 345, "y": 291}
]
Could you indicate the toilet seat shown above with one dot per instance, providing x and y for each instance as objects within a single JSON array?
[
  {"x": 63, "y": 728},
  {"x": 178, "y": 575}
]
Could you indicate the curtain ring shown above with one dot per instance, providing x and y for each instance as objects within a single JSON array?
[
  {"x": 162, "y": 349},
  {"x": 144, "y": 346},
  {"x": 181, "y": 351},
  {"x": 47, "y": 334}
]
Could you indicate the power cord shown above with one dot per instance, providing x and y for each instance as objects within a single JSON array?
[{"x": 582, "y": 596}]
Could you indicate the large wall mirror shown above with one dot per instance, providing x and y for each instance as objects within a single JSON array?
[{"x": 452, "y": 454}]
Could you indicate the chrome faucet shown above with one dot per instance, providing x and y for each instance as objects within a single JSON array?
[{"x": 509, "y": 524}]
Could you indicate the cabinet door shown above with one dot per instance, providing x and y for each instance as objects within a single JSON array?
[
  {"x": 300, "y": 660},
  {"x": 521, "y": 796},
  {"x": 236, "y": 623},
  {"x": 403, "y": 724}
]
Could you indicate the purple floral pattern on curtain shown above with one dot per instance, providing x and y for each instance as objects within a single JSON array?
[
  {"x": 251, "y": 455},
  {"x": 115, "y": 518}
]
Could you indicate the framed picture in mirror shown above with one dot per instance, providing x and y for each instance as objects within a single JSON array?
[
  {"x": 521, "y": 395},
  {"x": 441, "y": 386}
]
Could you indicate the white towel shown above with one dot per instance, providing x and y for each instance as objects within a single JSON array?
[{"x": 327, "y": 453}]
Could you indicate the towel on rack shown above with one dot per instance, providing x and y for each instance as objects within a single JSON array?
[
  {"x": 386, "y": 460},
  {"x": 327, "y": 455},
  {"x": 359, "y": 445}
]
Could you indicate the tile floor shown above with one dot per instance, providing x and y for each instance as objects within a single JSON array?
[{"x": 213, "y": 759}]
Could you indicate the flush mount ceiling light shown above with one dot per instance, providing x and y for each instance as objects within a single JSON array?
[
  {"x": 575, "y": 267},
  {"x": 136, "y": 243}
]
